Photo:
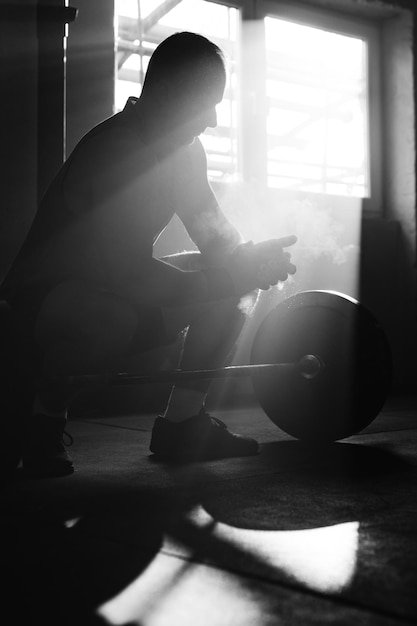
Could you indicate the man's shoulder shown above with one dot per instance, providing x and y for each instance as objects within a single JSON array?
[
  {"x": 113, "y": 133},
  {"x": 111, "y": 143}
]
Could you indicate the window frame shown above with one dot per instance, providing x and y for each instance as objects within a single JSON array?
[{"x": 346, "y": 25}]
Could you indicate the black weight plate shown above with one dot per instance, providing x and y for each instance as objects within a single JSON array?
[{"x": 352, "y": 387}]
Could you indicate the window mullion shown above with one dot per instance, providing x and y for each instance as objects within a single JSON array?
[{"x": 254, "y": 102}]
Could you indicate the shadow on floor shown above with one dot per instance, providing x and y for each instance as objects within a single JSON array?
[{"x": 69, "y": 546}]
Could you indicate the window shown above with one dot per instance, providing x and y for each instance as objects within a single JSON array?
[
  {"x": 316, "y": 120},
  {"x": 315, "y": 73},
  {"x": 321, "y": 75}
]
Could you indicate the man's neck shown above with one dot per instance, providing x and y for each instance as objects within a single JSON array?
[{"x": 152, "y": 121}]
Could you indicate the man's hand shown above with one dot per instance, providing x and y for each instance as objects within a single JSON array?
[{"x": 261, "y": 265}]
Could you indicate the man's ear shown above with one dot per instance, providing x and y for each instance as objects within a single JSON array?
[{"x": 160, "y": 94}]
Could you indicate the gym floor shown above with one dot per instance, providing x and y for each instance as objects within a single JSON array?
[{"x": 294, "y": 536}]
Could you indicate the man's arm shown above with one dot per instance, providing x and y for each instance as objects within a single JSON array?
[
  {"x": 197, "y": 207},
  {"x": 250, "y": 266},
  {"x": 115, "y": 192}
]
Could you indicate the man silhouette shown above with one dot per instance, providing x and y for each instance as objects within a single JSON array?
[{"x": 86, "y": 287}]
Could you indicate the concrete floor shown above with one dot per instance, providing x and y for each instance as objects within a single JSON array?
[{"x": 293, "y": 536}]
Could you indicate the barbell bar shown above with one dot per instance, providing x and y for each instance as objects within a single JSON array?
[{"x": 309, "y": 366}]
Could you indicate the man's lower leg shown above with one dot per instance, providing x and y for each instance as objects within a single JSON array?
[{"x": 185, "y": 431}]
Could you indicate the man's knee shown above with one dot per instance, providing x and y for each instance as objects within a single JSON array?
[
  {"x": 194, "y": 260},
  {"x": 231, "y": 312},
  {"x": 216, "y": 315}
]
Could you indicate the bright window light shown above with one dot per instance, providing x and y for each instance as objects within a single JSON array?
[{"x": 317, "y": 123}]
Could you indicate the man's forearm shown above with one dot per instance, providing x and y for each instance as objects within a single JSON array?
[{"x": 217, "y": 252}]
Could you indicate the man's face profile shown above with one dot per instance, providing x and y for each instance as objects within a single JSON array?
[{"x": 194, "y": 110}]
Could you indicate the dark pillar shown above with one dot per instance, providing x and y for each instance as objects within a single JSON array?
[
  {"x": 90, "y": 68},
  {"x": 52, "y": 18},
  {"x": 18, "y": 112}
]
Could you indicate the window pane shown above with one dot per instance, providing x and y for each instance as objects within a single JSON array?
[
  {"x": 142, "y": 24},
  {"x": 317, "y": 109}
]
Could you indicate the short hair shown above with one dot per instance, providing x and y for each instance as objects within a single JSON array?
[{"x": 185, "y": 57}]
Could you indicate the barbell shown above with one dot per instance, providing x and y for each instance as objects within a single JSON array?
[{"x": 321, "y": 367}]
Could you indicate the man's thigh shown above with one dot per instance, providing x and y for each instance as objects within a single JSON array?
[{"x": 74, "y": 310}]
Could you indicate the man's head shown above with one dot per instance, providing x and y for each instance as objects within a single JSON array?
[{"x": 185, "y": 81}]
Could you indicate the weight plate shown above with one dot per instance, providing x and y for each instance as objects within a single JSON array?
[{"x": 351, "y": 389}]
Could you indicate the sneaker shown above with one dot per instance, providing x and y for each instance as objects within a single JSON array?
[
  {"x": 44, "y": 453},
  {"x": 199, "y": 438}
]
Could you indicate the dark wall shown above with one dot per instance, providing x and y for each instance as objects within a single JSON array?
[
  {"x": 90, "y": 68},
  {"x": 18, "y": 141},
  {"x": 32, "y": 112}
]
